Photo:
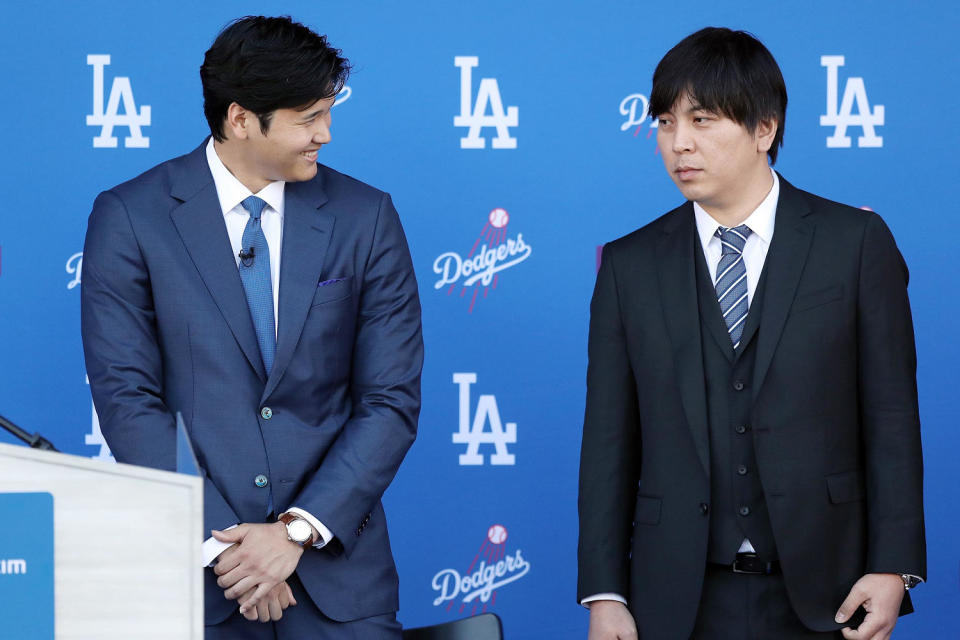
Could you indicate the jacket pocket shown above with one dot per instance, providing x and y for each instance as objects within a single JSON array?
[
  {"x": 846, "y": 486},
  {"x": 817, "y": 298},
  {"x": 647, "y": 510},
  {"x": 333, "y": 290}
]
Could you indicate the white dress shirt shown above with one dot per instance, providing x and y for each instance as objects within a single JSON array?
[
  {"x": 231, "y": 193},
  {"x": 758, "y": 242},
  {"x": 755, "y": 249}
]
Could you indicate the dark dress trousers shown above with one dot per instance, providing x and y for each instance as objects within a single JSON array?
[
  {"x": 166, "y": 328},
  {"x": 824, "y": 389}
]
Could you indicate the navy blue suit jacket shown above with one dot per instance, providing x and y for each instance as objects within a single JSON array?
[{"x": 166, "y": 328}]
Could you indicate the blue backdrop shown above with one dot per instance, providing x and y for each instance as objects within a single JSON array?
[{"x": 568, "y": 82}]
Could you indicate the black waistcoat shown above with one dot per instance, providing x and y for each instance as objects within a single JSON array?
[{"x": 738, "y": 508}]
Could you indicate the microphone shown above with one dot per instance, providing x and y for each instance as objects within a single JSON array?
[
  {"x": 246, "y": 256},
  {"x": 35, "y": 440}
]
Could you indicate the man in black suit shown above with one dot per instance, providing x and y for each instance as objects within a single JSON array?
[{"x": 751, "y": 463}]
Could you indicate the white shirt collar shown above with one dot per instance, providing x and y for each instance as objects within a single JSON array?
[
  {"x": 232, "y": 192},
  {"x": 760, "y": 221}
]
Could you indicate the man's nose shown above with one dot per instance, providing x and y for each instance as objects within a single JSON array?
[
  {"x": 322, "y": 133},
  {"x": 682, "y": 139}
]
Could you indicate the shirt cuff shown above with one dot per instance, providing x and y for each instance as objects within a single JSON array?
[
  {"x": 212, "y": 548},
  {"x": 325, "y": 534},
  {"x": 616, "y": 597}
]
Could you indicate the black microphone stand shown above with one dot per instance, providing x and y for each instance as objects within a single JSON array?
[{"x": 36, "y": 441}]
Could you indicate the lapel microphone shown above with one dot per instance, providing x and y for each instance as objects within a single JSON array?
[{"x": 246, "y": 256}]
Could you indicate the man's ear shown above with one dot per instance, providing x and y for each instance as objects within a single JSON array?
[
  {"x": 238, "y": 122},
  {"x": 765, "y": 133}
]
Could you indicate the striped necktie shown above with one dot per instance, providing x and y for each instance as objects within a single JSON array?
[{"x": 731, "y": 284}]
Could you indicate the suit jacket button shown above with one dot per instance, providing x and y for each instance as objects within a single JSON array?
[
  {"x": 742, "y": 470},
  {"x": 704, "y": 509},
  {"x": 266, "y": 413},
  {"x": 738, "y": 385},
  {"x": 744, "y": 511},
  {"x": 741, "y": 428},
  {"x": 261, "y": 481}
]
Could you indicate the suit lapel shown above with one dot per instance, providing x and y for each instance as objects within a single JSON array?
[
  {"x": 678, "y": 291},
  {"x": 792, "y": 236},
  {"x": 199, "y": 221},
  {"x": 306, "y": 237}
]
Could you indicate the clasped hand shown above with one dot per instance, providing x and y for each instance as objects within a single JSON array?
[{"x": 254, "y": 570}]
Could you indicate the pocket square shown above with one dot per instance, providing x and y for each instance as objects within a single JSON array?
[{"x": 324, "y": 283}]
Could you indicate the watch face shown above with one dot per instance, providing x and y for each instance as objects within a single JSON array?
[{"x": 299, "y": 531}]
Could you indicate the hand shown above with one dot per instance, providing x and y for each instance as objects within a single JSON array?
[
  {"x": 271, "y": 607},
  {"x": 262, "y": 559},
  {"x": 880, "y": 595},
  {"x": 611, "y": 620}
]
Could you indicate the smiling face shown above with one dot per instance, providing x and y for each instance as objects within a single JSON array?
[
  {"x": 714, "y": 160},
  {"x": 288, "y": 149}
]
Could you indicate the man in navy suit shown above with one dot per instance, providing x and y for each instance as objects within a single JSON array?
[{"x": 272, "y": 302}]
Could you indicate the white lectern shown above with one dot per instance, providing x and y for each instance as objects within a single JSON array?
[{"x": 127, "y": 545}]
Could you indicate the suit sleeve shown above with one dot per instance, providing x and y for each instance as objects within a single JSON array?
[
  {"x": 888, "y": 408},
  {"x": 610, "y": 449},
  {"x": 385, "y": 388},
  {"x": 124, "y": 364}
]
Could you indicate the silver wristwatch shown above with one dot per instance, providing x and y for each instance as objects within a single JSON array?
[
  {"x": 909, "y": 581},
  {"x": 299, "y": 530}
]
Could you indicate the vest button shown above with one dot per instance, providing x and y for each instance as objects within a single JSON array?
[
  {"x": 742, "y": 470},
  {"x": 266, "y": 413},
  {"x": 738, "y": 386},
  {"x": 704, "y": 509},
  {"x": 744, "y": 511},
  {"x": 741, "y": 428},
  {"x": 261, "y": 481}
]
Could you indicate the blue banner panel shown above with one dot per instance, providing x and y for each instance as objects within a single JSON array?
[
  {"x": 515, "y": 140},
  {"x": 26, "y": 565}
]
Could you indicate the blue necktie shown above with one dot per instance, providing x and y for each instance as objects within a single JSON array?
[
  {"x": 255, "y": 275},
  {"x": 731, "y": 282}
]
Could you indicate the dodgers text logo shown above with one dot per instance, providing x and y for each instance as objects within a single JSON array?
[
  {"x": 842, "y": 117},
  {"x": 343, "y": 96},
  {"x": 488, "y": 95},
  {"x": 110, "y": 117},
  {"x": 75, "y": 268},
  {"x": 492, "y": 252},
  {"x": 636, "y": 108},
  {"x": 493, "y": 568},
  {"x": 473, "y": 434}
]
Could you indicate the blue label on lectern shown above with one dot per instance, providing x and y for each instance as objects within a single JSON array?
[{"x": 26, "y": 566}]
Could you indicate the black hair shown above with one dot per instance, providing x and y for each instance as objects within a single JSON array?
[
  {"x": 727, "y": 72},
  {"x": 264, "y": 64}
]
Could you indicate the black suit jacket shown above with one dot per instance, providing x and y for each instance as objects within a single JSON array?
[{"x": 834, "y": 415}]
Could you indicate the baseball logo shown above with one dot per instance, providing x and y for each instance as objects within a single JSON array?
[
  {"x": 499, "y": 218},
  {"x": 497, "y": 534}
]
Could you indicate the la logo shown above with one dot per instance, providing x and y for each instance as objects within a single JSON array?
[
  {"x": 111, "y": 117},
  {"x": 854, "y": 92},
  {"x": 95, "y": 437},
  {"x": 473, "y": 434},
  {"x": 488, "y": 95}
]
